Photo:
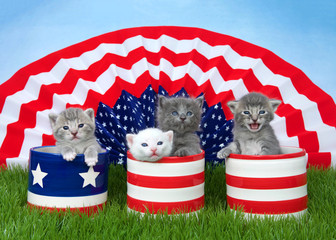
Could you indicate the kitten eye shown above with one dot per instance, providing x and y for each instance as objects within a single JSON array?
[
  {"x": 246, "y": 112},
  {"x": 174, "y": 113},
  {"x": 159, "y": 143},
  {"x": 65, "y": 127},
  {"x": 189, "y": 114},
  {"x": 262, "y": 112},
  {"x": 144, "y": 144},
  {"x": 81, "y": 125}
]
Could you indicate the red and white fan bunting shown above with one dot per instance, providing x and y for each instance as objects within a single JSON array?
[{"x": 222, "y": 67}]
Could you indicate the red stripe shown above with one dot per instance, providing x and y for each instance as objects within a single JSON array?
[
  {"x": 87, "y": 210},
  {"x": 165, "y": 182},
  {"x": 168, "y": 207},
  {"x": 191, "y": 158},
  {"x": 269, "y": 207},
  {"x": 266, "y": 183},
  {"x": 320, "y": 160},
  {"x": 295, "y": 127}
]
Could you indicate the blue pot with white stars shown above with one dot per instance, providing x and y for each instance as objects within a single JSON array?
[{"x": 55, "y": 183}]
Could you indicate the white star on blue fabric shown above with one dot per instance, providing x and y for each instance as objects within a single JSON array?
[
  {"x": 89, "y": 177},
  {"x": 38, "y": 176}
]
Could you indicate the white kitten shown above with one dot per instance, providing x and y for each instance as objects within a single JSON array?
[{"x": 150, "y": 144}]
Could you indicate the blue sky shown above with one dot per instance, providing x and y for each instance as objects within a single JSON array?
[{"x": 301, "y": 32}]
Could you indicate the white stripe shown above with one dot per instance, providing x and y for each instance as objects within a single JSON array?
[
  {"x": 141, "y": 214},
  {"x": 266, "y": 195},
  {"x": 165, "y": 169},
  {"x": 250, "y": 216},
  {"x": 280, "y": 130},
  {"x": 165, "y": 195},
  {"x": 66, "y": 202},
  {"x": 17, "y": 162},
  {"x": 13, "y": 103},
  {"x": 266, "y": 168}
]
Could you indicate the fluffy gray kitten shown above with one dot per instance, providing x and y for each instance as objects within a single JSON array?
[
  {"x": 252, "y": 132},
  {"x": 183, "y": 117},
  {"x": 74, "y": 131}
]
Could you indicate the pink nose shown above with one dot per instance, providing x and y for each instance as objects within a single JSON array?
[{"x": 153, "y": 149}]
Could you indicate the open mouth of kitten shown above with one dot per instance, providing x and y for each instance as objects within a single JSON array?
[{"x": 254, "y": 126}]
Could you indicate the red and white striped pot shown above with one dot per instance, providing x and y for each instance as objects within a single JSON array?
[
  {"x": 268, "y": 185},
  {"x": 171, "y": 185}
]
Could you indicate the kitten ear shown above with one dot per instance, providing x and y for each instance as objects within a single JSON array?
[
  {"x": 162, "y": 100},
  {"x": 200, "y": 101},
  {"x": 52, "y": 118},
  {"x": 275, "y": 104},
  {"x": 170, "y": 135},
  {"x": 90, "y": 113},
  {"x": 233, "y": 106},
  {"x": 129, "y": 138}
]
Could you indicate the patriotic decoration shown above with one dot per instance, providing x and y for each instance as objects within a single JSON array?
[
  {"x": 131, "y": 114},
  {"x": 171, "y": 185},
  {"x": 129, "y": 61},
  {"x": 268, "y": 185},
  {"x": 57, "y": 184}
]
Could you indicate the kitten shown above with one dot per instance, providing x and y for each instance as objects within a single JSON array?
[
  {"x": 252, "y": 132},
  {"x": 150, "y": 144},
  {"x": 74, "y": 131},
  {"x": 183, "y": 117}
]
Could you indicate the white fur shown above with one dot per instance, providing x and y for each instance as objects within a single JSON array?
[{"x": 153, "y": 151}]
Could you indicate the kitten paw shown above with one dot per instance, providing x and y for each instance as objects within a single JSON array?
[
  {"x": 69, "y": 156},
  {"x": 91, "y": 161},
  {"x": 182, "y": 153},
  {"x": 224, "y": 153}
]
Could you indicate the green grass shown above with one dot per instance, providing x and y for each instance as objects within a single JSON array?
[{"x": 215, "y": 222}]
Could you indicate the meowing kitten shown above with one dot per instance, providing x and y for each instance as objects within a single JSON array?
[
  {"x": 150, "y": 144},
  {"x": 183, "y": 117},
  {"x": 252, "y": 132},
  {"x": 74, "y": 130}
]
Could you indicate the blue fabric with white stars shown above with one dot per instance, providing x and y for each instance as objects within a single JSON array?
[{"x": 131, "y": 114}]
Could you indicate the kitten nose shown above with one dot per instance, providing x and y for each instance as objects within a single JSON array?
[
  {"x": 74, "y": 133},
  {"x": 183, "y": 117},
  {"x": 153, "y": 149},
  {"x": 254, "y": 118}
]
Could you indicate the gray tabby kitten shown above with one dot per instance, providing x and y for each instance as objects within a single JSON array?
[
  {"x": 183, "y": 117},
  {"x": 74, "y": 130},
  {"x": 252, "y": 133}
]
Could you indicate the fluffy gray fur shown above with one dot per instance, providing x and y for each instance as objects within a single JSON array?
[
  {"x": 183, "y": 117},
  {"x": 74, "y": 130},
  {"x": 252, "y": 132}
]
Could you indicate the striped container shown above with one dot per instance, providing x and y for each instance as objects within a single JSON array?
[
  {"x": 268, "y": 185},
  {"x": 171, "y": 185},
  {"x": 55, "y": 184}
]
